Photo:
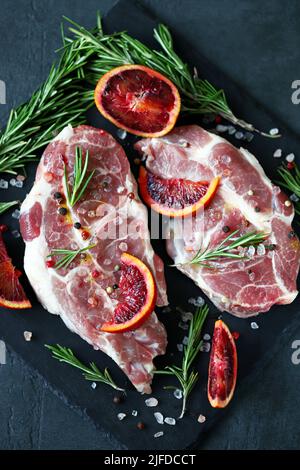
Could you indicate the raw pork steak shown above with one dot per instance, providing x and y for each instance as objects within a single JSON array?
[
  {"x": 112, "y": 213},
  {"x": 245, "y": 200}
]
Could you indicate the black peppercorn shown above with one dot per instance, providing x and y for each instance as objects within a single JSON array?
[
  {"x": 291, "y": 234},
  {"x": 57, "y": 195},
  {"x": 115, "y": 286},
  {"x": 105, "y": 184},
  {"x": 271, "y": 247},
  {"x": 226, "y": 229},
  {"x": 62, "y": 211},
  {"x": 77, "y": 225},
  {"x": 140, "y": 425},
  {"x": 257, "y": 209}
]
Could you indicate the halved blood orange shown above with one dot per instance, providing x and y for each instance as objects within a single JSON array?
[
  {"x": 12, "y": 294},
  {"x": 222, "y": 371},
  {"x": 137, "y": 298},
  {"x": 175, "y": 197},
  {"x": 138, "y": 100}
]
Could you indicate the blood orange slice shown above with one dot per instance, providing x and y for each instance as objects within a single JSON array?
[
  {"x": 12, "y": 294},
  {"x": 222, "y": 371},
  {"x": 175, "y": 197},
  {"x": 137, "y": 298},
  {"x": 138, "y": 99}
]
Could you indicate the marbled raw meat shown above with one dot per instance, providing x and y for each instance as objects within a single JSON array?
[
  {"x": 246, "y": 200},
  {"x": 117, "y": 223}
]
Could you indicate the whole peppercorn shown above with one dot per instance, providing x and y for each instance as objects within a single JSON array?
[
  {"x": 115, "y": 286},
  {"x": 50, "y": 263},
  {"x": 140, "y": 425},
  {"x": 257, "y": 209},
  {"x": 57, "y": 196},
  {"x": 62, "y": 211},
  {"x": 291, "y": 234},
  {"x": 77, "y": 225},
  {"x": 226, "y": 229},
  {"x": 131, "y": 195}
]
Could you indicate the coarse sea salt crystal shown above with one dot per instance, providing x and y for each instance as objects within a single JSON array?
[
  {"x": 205, "y": 346},
  {"x": 159, "y": 417},
  {"x": 151, "y": 402},
  {"x": 261, "y": 249},
  {"x": 3, "y": 184},
  {"x": 274, "y": 131},
  {"x": 250, "y": 251},
  {"x": 170, "y": 421},
  {"x": 206, "y": 337},
  {"x": 185, "y": 340},
  {"x": 254, "y": 325},
  {"x": 93, "y": 385},
  {"x": 12, "y": 182},
  {"x": 158, "y": 434},
  {"x": 180, "y": 347},
  {"x": 178, "y": 393},
  {"x": 16, "y": 214},
  {"x": 134, "y": 413},
  {"x": 122, "y": 134},
  {"x": 19, "y": 184},
  {"x": 199, "y": 302},
  {"x": 201, "y": 419},
  {"x": 27, "y": 335},
  {"x": 294, "y": 198},
  {"x": 239, "y": 135},
  {"x": 123, "y": 246},
  {"x": 277, "y": 153},
  {"x": 231, "y": 130},
  {"x": 249, "y": 136},
  {"x": 121, "y": 416},
  {"x": 290, "y": 157},
  {"x": 221, "y": 128}
]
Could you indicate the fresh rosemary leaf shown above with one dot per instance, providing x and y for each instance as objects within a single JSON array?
[
  {"x": 90, "y": 372},
  {"x": 61, "y": 100},
  {"x": 67, "y": 256},
  {"x": 291, "y": 181},
  {"x": 187, "y": 377},
  {"x": 4, "y": 206},
  {"x": 226, "y": 248},
  {"x": 81, "y": 182}
]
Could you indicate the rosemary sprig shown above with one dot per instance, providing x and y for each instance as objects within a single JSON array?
[
  {"x": 291, "y": 181},
  {"x": 92, "y": 372},
  {"x": 61, "y": 100},
  {"x": 81, "y": 182},
  {"x": 187, "y": 377},
  {"x": 67, "y": 256},
  {"x": 4, "y": 206},
  {"x": 224, "y": 250},
  {"x": 199, "y": 96}
]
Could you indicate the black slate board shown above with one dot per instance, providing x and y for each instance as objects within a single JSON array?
[{"x": 252, "y": 344}]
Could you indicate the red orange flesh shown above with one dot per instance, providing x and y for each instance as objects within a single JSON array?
[
  {"x": 138, "y": 296},
  {"x": 222, "y": 371},
  {"x": 175, "y": 197},
  {"x": 138, "y": 99}
]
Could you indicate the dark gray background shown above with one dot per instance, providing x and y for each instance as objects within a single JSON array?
[{"x": 257, "y": 43}]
